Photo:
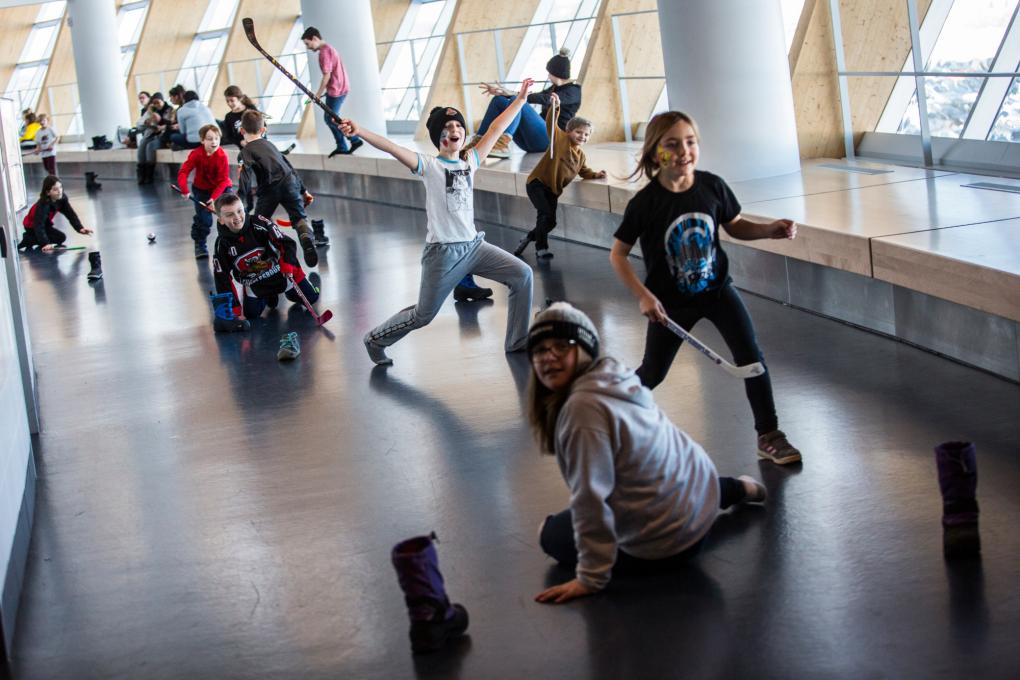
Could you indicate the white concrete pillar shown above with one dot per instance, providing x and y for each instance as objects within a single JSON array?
[
  {"x": 726, "y": 65},
  {"x": 352, "y": 34},
  {"x": 101, "y": 88}
]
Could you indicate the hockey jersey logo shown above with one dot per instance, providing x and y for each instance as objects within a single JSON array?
[{"x": 254, "y": 266}]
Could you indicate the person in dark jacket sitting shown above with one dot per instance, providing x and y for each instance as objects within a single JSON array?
[
  {"x": 528, "y": 130},
  {"x": 39, "y": 229}
]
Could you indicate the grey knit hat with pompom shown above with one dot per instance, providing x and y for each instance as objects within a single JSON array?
[{"x": 563, "y": 321}]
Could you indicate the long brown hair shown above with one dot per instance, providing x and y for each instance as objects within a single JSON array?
[
  {"x": 658, "y": 126},
  {"x": 47, "y": 185},
  {"x": 235, "y": 91},
  {"x": 545, "y": 405}
]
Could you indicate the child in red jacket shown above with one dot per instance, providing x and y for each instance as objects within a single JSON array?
[{"x": 212, "y": 178}]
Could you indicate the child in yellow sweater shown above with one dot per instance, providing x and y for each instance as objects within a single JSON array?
[{"x": 551, "y": 175}]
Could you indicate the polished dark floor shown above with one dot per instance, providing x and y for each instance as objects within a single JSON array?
[{"x": 207, "y": 512}]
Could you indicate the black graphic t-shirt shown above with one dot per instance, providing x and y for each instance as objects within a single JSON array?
[{"x": 679, "y": 235}]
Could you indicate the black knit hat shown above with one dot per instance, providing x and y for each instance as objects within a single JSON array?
[
  {"x": 438, "y": 118},
  {"x": 559, "y": 65},
  {"x": 563, "y": 321}
]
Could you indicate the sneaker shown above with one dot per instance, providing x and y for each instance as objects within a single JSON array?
[
  {"x": 289, "y": 347},
  {"x": 465, "y": 293},
  {"x": 376, "y": 352},
  {"x": 201, "y": 251},
  {"x": 544, "y": 254},
  {"x": 521, "y": 247},
  {"x": 501, "y": 149},
  {"x": 774, "y": 446},
  {"x": 754, "y": 491}
]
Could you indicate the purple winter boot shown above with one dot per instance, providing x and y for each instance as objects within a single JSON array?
[
  {"x": 433, "y": 618},
  {"x": 957, "y": 465}
]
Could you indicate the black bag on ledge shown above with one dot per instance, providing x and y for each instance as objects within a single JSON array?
[{"x": 100, "y": 143}]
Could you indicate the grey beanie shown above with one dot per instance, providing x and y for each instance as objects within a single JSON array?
[{"x": 563, "y": 321}]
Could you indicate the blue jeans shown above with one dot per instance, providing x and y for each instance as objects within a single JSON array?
[
  {"x": 334, "y": 104},
  {"x": 179, "y": 139},
  {"x": 201, "y": 224},
  {"x": 527, "y": 128}
]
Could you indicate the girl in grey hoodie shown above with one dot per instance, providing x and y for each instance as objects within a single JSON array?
[{"x": 642, "y": 492}]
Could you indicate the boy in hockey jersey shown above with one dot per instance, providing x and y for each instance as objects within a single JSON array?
[
  {"x": 252, "y": 251},
  {"x": 277, "y": 182}
]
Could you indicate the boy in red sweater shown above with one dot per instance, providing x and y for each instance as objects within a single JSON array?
[{"x": 212, "y": 178}]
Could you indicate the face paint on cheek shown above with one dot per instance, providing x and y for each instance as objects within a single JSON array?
[
  {"x": 665, "y": 157},
  {"x": 444, "y": 138}
]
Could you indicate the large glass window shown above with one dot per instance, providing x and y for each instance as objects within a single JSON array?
[
  {"x": 1007, "y": 123},
  {"x": 198, "y": 72},
  {"x": 412, "y": 57},
  {"x": 555, "y": 25},
  {"x": 281, "y": 100},
  {"x": 792, "y": 9},
  {"x": 25, "y": 84},
  {"x": 960, "y": 36}
]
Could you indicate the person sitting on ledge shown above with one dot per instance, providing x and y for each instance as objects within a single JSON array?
[{"x": 528, "y": 129}]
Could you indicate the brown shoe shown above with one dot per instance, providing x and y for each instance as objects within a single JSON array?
[
  {"x": 776, "y": 447},
  {"x": 501, "y": 149}
]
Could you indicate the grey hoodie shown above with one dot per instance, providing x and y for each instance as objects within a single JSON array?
[
  {"x": 191, "y": 117},
  {"x": 637, "y": 482}
]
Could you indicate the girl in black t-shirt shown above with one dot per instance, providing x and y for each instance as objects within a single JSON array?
[
  {"x": 238, "y": 102},
  {"x": 677, "y": 217}
]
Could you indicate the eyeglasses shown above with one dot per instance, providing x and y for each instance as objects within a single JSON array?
[{"x": 557, "y": 348}]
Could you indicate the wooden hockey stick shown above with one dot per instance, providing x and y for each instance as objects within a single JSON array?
[
  {"x": 192, "y": 197},
  {"x": 249, "y": 31}
]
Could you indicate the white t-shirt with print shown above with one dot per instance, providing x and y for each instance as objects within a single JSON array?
[
  {"x": 46, "y": 137},
  {"x": 449, "y": 197}
]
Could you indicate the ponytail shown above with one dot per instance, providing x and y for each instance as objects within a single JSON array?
[{"x": 235, "y": 91}]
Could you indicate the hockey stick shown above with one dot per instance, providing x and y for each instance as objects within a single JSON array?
[
  {"x": 319, "y": 318},
  {"x": 249, "y": 31},
  {"x": 556, "y": 123},
  {"x": 743, "y": 372},
  {"x": 192, "y": 197}
]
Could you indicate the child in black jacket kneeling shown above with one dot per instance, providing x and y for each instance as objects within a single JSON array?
[{"x": 252, "y": 251}]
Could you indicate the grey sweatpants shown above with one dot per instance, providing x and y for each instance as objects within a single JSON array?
[{"x": 442, "y": 266}]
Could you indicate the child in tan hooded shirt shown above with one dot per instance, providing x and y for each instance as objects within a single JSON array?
[{"x": 554, "y": 172}]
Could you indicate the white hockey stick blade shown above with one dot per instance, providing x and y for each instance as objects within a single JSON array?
[{"x": 742, "y": 372}]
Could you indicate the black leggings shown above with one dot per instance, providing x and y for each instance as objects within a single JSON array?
[
  {"x": 726, "y": 311},
  {"x": 55, "y": 236},
  {"x": 545, "y": 202},
  {"x": 557, "y": 536}
]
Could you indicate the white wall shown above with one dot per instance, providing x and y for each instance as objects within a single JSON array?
[{"x": 15, "y": 440}]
